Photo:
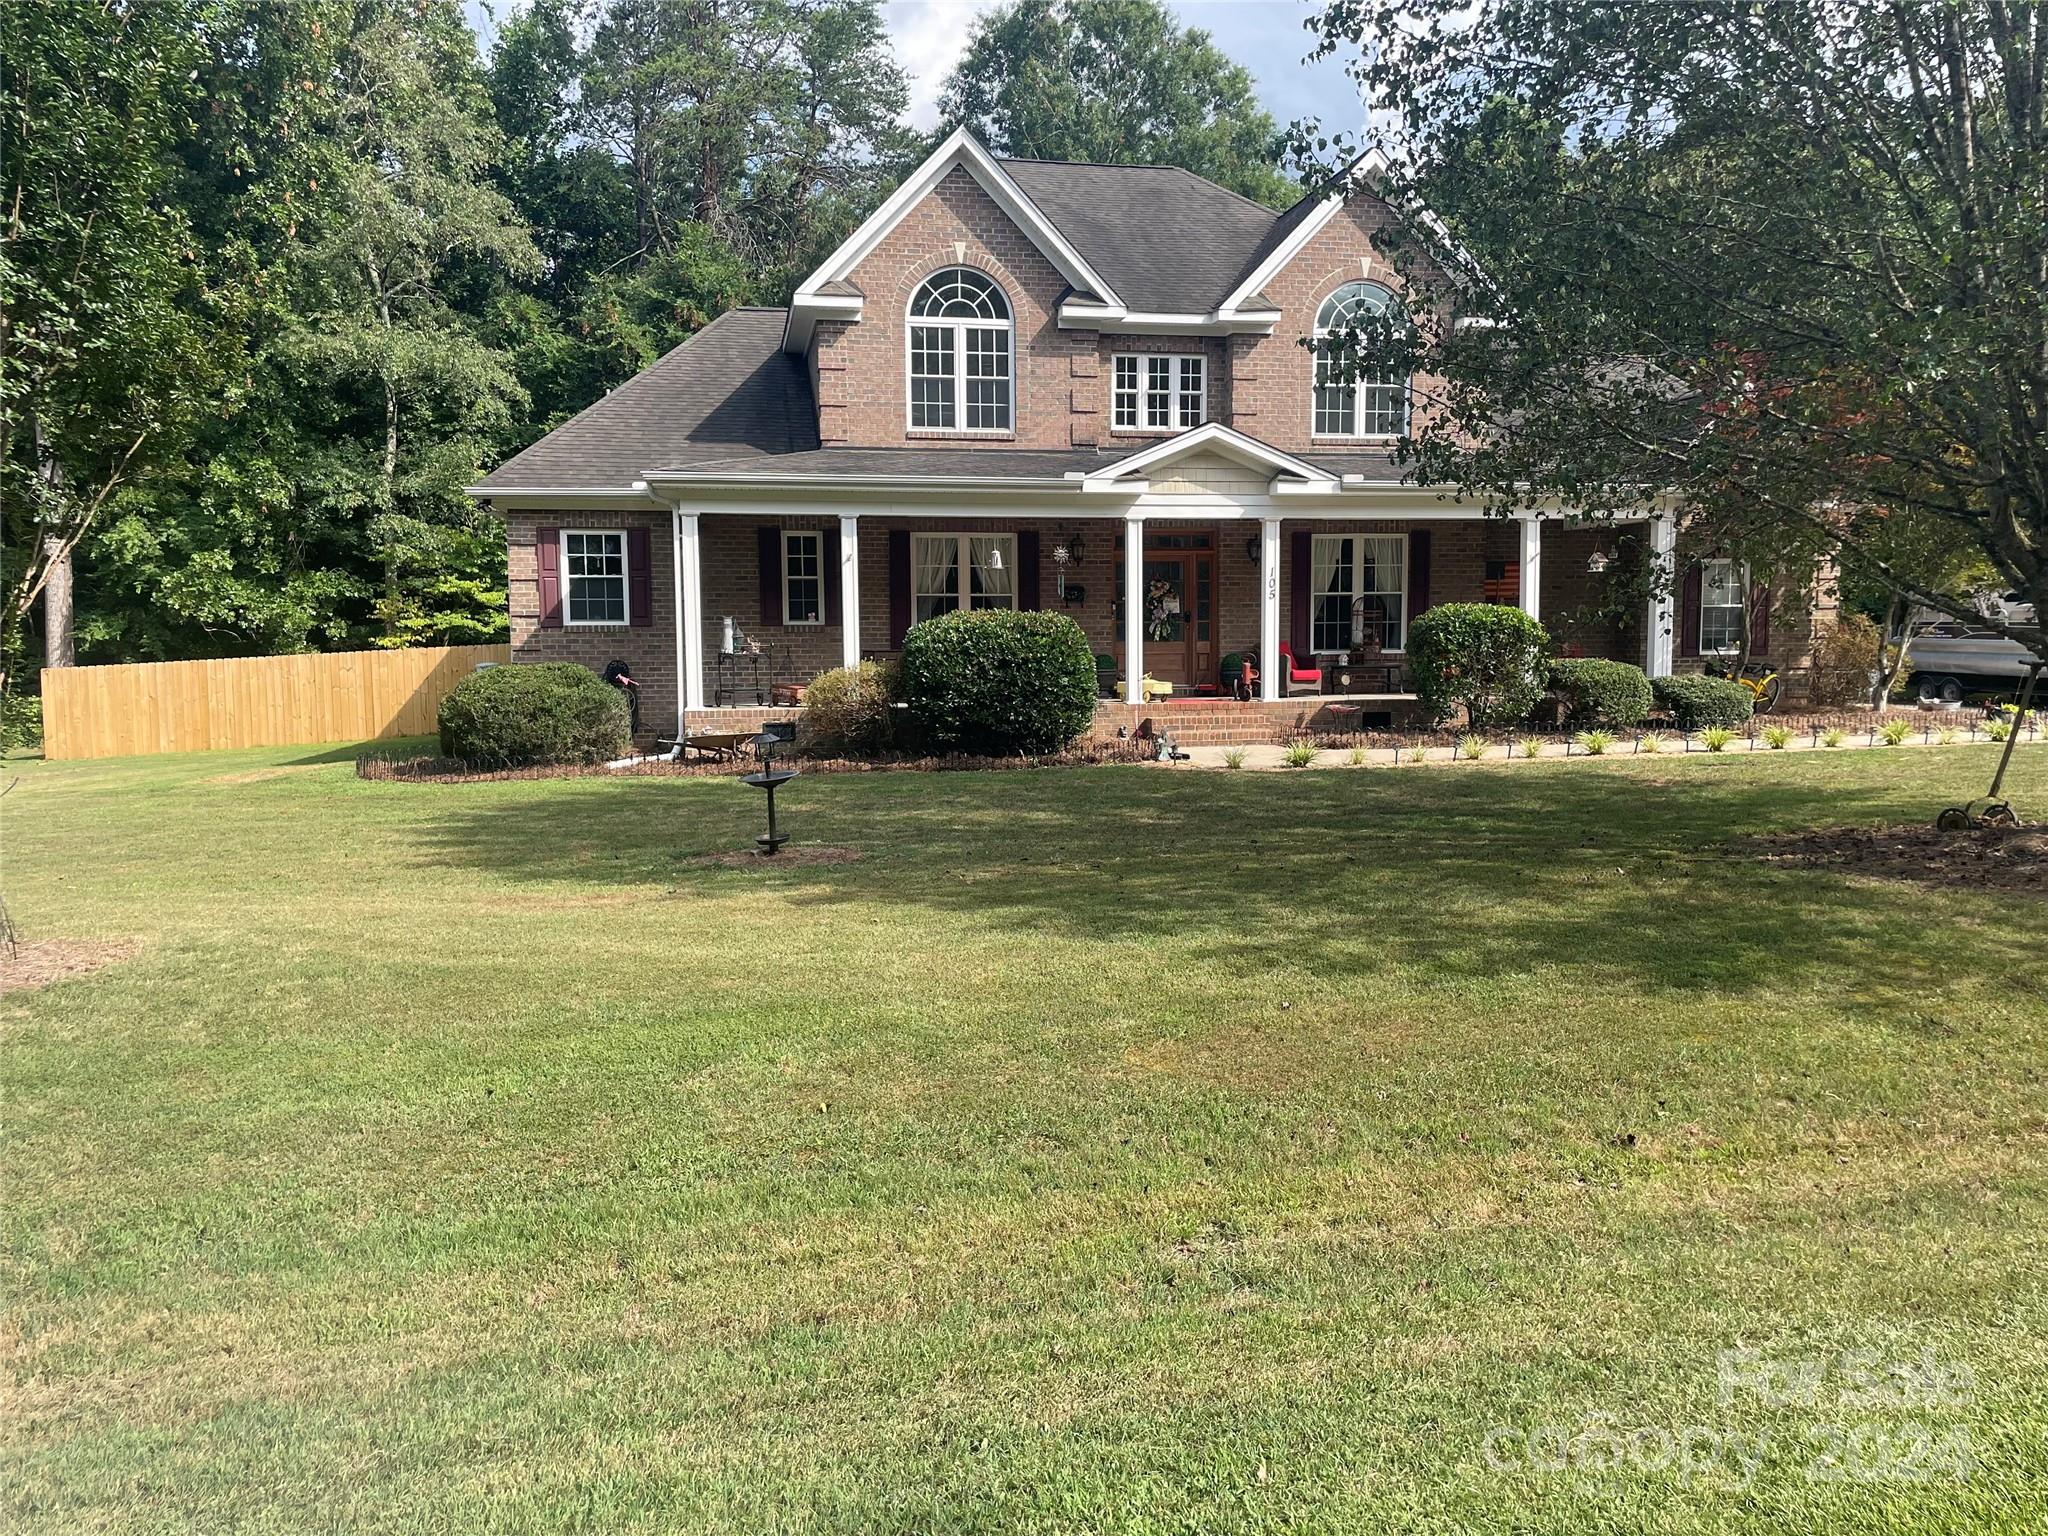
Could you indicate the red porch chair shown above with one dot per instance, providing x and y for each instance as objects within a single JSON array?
[{"x": 1298, "y": 676}]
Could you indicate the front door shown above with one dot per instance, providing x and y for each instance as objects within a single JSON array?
[{"x": 1178, "y": 616}]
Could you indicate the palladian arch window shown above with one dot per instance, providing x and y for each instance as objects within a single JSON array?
[
  {"x": 1353, "y": 398},
  {"x": 960, "y": 330}
]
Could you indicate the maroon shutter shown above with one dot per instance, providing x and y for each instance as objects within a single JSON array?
[
  {"x": 1760, "y": 619},
  {"x": 639, "y": 578},
  {"x": 547, "y": 559},
  {"x": 899, "y": 587},
  {"x": 1027, "y": 569},
  {"x": 1300, "y": 572},
  {"x": 768, "y": 553},
  {"x": 1689, "y": 611},
  {"x": 828, "y": 572},
  {"x": 1418, "y": 572}
]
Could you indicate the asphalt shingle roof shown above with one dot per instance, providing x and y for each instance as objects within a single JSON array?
[
  {"x": 1164, "y": 238},
  {"x": 730, "y": 391}
]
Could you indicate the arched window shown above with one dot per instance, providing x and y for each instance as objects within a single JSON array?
[
  {"x": 959, "y": 339},
  {"x": 1357, "y": 399}
]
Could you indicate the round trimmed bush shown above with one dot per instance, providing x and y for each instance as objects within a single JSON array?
[
  {"x": 1699, "y": 703},
  {"x": 999, "y": 682},
  {"x": 1482, "y": 656},
  {"x": 1593, "y": 691},
  {"x": 521, "y": 715},
  {"x": 847, "y": 710}
]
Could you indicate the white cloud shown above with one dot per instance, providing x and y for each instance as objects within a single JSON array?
[{"x": 930, "y": 36}]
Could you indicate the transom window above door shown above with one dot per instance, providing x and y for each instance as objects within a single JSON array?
[
  {"x": 1157, "y": 392},
  {"x": 1359, "y": 587},
  {"x": 960, "y": 354},
  {"x": 1354, "y": 397},
  {"x": 945, "y": 565}
]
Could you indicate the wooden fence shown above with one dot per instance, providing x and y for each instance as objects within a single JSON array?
[{"x": 253, "y": 701}]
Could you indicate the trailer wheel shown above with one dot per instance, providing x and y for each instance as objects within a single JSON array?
[{"x": 1943, "y": 689}]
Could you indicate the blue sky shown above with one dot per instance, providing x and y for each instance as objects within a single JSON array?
[{"x": 1266, "y": 36}]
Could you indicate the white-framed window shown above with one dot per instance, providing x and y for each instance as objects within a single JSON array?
[
  {"x": 803, "y": 576},
  {"x": 1157, "y": 391},
  {"x": 593, "y": 576},
  {"x": 944, "y": 565},
  {"x": 1358, "y": 584},
  {"x": 959, "y": 341},
  {"x": 1724, "y": 593},
  {"x": 1353, "y": 399}
]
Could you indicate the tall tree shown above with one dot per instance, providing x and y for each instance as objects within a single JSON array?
[
  {"x": 108, "y": 347},
  {"x": 1788, "y": 262},
  {"x": 1115, "y": 80}
]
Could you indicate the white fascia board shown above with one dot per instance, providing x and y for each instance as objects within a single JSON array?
[
  {"x": 684, "y": 480},
  {"x": 1225, "y": 440},
  {"x": 1117, "y": 321},
  {"x": 806, "y": 310},
  {"x": 1368, "y": 168},
  {"x": 596, "y": 498},
  {"x": 960, "y": 148}
]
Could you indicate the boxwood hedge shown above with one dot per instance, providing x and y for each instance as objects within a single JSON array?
[
  {"x": 1593, "y": 691},
  {"x": 548, "y": 712},
  {"x": 1481, "y": 655},
  {"x": 1701, "y": 703},
  {"x": 998, "y": 682}
]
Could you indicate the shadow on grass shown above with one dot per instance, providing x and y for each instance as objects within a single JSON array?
[{"x": 1466, "y": 874}]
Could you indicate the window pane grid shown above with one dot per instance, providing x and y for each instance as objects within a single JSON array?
[
  {"x": 1359, "y": 587},
  {"x": 1125, "y": 391},
  {"x": 1720, "y": 607},
  {"x": 960, "y": 369},
  {"x": 989, "y": 562},
  {"x": 803, "y": 587},
  {"x": 1171, "y": 396},
  {"x": 1360, "y": 401},
  {"x": 594, "y": 572}
]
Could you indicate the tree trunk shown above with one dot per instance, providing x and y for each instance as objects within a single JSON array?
[
  {"x": 59, "y": 648},
  {"x": 1895, "y": 615}
]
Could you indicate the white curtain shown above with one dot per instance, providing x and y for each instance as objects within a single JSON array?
[
  {"x": 992, "y": 580},
  {"x": 938, "y": 585}
]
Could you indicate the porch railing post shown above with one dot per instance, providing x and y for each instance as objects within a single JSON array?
[
  {"x": 1532, "y": 568},
  {"x": 1134, "y": 609},
  {"x": 849, "y": 590},
  {"x": 1269, "y": 610}
]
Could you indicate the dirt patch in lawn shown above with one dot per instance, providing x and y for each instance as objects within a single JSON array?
[
  {"x": 2006, "y": 859},
  {"x": 789, "y": 858},
  {"x": 42, "y": 962}
]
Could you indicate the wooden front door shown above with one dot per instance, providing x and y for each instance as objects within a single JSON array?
[{"x": 1179, "y": 616}]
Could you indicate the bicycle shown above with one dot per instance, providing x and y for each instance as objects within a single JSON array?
[{"x": 1765, "y": 686}]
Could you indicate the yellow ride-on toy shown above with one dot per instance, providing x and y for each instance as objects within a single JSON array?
[{"x": 1991, "y": 811}]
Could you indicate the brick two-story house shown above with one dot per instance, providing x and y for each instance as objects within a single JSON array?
[{"x": 1023, "y": 383}]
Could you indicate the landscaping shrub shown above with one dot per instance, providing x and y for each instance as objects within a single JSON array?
[
  {"x": 21, "y": 721},
  {"x": 1845, "y": 655},
  {"x": 998, "y": 681},
  {"x": 1596, "y": 692},
  {"x": 518, "y": 716},
  {"x": 1696, "y": 703},
  {"x": 1479, "y": 655},
  {"x": 848, "y": 711}
]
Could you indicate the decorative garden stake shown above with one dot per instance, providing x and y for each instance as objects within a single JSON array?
[{"x": 768, "y": 780}]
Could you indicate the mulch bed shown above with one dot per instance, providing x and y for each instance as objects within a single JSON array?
[
  {"x": 794, "y": 856},
  {"x": 448, "y": 770},
  {"x": 36, "y": 963},
  {"x": 2003, "y": 859}
]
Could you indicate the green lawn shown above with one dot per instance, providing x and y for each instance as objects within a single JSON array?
[{"x": 1107, "y": 1150}]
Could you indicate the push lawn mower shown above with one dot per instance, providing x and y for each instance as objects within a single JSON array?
[{"x": 1992, "y": 811}]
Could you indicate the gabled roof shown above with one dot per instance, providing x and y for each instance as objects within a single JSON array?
[
  {"x": 730, "y": 390},
  {"x": 1166, "y": 239},
  {"x": 1214, "y": 437}
]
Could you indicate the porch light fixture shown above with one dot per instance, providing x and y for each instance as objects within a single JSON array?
[
  {"x": 1251, "y": 549},
  {"x": 1597, "y": 562}
]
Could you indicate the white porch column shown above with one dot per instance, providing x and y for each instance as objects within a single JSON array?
[
  {"x": 689, "y": 610},
  {"x": 1269, "y": 610},
  {"x": 1134, "y": 608},
  {"x": 849, "y": 590},
  {"x": 1660, "y": 619},
  {"x": 1532, "y": 568}
]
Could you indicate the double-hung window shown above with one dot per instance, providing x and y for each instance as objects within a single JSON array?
[
  {"x": 1723, "y": 592},
  {"x": 1157, "y": 392},
  {"x": 1358, "y": 586},
  {"x": 803, "y": 577},
  {"x": 960, "y": 337},
  {"x": 1354, "y": 397},
  {"x": 594, "y": 577},
  {"x": 945, "y": 565}
]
